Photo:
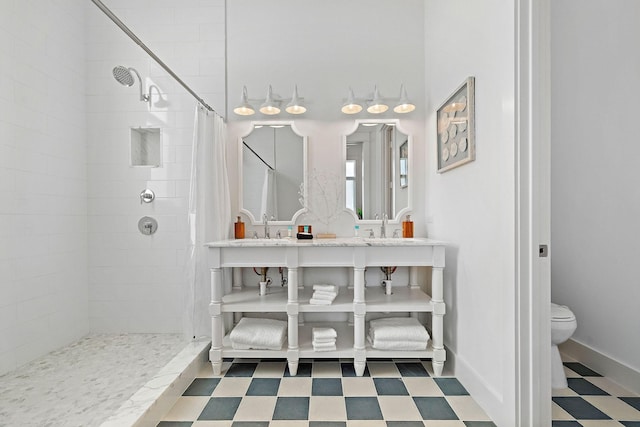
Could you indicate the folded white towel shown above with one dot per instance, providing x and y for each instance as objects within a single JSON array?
[
  {"x": 397, "y": 345},
  {"x": 325, "y": 288},
  {"x": 324, "y": 347},
  {"x": 323, "y": 342},
  {"x": 322, "y": 333},
  {"x": 398, "y": 329},
  {"x": 316, "y": 301},
  {"x": 325, "y": 295},
  {"x": 264, "y": 334}
]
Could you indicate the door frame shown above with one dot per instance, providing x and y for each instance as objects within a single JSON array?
[{"x": 533, "y": 213}]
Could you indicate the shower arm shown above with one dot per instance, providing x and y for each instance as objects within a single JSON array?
[
  {"x": 144, "y": 47},
  {"x": 143, "y": 96}
]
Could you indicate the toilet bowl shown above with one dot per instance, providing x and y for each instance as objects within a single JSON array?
[{"x": 563, "y": 325}]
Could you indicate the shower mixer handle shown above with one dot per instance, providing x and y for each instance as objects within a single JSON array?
[{"x": 147, "y": 196}]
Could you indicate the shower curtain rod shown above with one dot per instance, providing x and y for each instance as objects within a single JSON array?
[{"x": 144, "y": 47}]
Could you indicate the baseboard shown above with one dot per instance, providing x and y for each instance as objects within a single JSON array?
[
  {"x": 610, "y": 368},
  {"x": 488, "y": 399},
  {"x": 148, "y": 406}
]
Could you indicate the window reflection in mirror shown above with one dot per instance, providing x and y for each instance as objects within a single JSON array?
[
  {"x": 377, "y": 170},
  {"x": 272, "y": 172}
]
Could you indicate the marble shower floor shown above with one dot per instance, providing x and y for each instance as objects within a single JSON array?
[{"x": 84, "y": 383}]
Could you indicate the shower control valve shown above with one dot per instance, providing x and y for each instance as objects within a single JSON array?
[{"x": 147, "y": 196}]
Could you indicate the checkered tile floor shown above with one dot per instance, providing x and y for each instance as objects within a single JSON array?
[
  {"x": 325, "y": 393},
  {"x": 592, "y": 400}
]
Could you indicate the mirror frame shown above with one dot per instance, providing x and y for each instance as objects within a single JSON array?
[
  {"x": 246, "y": 133},
  {"x": 409, "y": 208}
]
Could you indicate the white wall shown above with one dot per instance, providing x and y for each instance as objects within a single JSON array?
[
  {"x": 472, "y": 207},
  {"x": 43, "y": 225},
  {"x": 137, "y": 282},
  {"x": 594, "y": 175},
  {"x": 325, "y": 47}
]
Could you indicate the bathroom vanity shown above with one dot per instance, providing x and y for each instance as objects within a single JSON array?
[{"x": 356, "y": 300}]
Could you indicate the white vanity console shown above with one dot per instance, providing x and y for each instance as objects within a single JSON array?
[{"x": 356, "y": 300}]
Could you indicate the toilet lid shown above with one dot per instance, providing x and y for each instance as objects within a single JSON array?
[{"x": 561, "y": 312}]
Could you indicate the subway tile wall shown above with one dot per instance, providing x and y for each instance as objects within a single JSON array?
[
  {"x": 137, "y": 283},
  {"x": 43, "y": 179}
]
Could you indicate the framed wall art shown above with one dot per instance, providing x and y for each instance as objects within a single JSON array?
[{"x": 456, "y": 125}]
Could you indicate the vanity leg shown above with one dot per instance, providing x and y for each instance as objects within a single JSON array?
[
  {"x": 217, "y": 324},
  {"x": 359, "y": 312},
  {"x": 292, "y": 316},
  {"x": 439, "y": 353}
]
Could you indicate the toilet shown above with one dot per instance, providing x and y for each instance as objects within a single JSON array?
[{"x": 563, "y": 325}]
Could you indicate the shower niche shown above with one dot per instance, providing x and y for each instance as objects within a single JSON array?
[{"x": 146, "y": 147}]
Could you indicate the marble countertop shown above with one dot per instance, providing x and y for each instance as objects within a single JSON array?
[{"x": 337, "y": 242}]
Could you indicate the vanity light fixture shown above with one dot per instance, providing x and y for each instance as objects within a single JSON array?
[
  {"x": 378, "y": 104},
  {"x": 404, "y": 105},
  {"x": 244, "y": 109},
  {"x": 351, "y": 106},
  {"x": 271, "y": 105},
  {"x": 295, "y": 106}
]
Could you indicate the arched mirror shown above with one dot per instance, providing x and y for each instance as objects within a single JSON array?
[
  {"x": 377, "y": 168},
  {"x": 273, "y": 159}
]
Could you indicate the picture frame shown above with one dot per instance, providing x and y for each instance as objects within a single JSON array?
[
  {"x": 403, "y": 152},
  {"x": 456, "y": 143}
]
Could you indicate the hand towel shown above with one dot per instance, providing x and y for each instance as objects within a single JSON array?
[
  {"x": 315, "y": 301},
  {"x": 325, "y": 295},
  {"x": 325, "y": 288},
  {"x": 264, "y": 334},
  {"x": 397, "y": 345},
  {"x": 323, "y": 333},
  {"x": 397, "y": 329},
  {"x": 324, "y": 347}
]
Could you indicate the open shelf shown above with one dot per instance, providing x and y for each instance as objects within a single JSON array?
[
  {"x": 402, "y": 299},
  {"x": 418, "y": 354},
  {"x": 344, "y": 341},
  {"x": 342, "y": 304},
  {"x": 248, "y": 300}
]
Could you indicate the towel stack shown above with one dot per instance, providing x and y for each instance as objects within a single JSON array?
[
  {"x": 259, "y": 334},
  {"x": 324, "y": 339},
  {"x": 323, "y": 294},
  {"x": 397, "y": 333}
]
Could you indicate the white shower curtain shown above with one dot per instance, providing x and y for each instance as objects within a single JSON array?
[{"x": 209, "y": 214}]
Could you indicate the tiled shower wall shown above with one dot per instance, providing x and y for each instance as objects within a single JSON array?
[
  {"x": 137, "y": 282},
  {"x": 43, "y": 186}
]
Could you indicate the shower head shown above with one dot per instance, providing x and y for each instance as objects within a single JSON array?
[{"x": 124, "y": 76}]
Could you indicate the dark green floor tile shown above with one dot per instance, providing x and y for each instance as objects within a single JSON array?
[
  {"x": 390, "y": 387},
  {"x": 434, "y": 408},
  {"x": 585, "y": 388},
  {"x": 326, "y": 387},
  {"x": 202, "y": 387},
  {"x": 580, "y": 369},
  {"x": 363, "y": 408},
  {"x": 412, "y": 369},
  {"x": 220, "y": 408},
  {"x": 451, "y": 387},
  {"x": 291, "y": 408},
  {"x": 264, "y": 387},
  {"x": 580, "y": 409}
]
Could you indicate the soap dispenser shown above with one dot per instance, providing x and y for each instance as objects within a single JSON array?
[
  {"x": 239, "y": 229},
  {"x": 407, "y": 227}
]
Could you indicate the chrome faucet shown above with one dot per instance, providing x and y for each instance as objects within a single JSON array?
[
  {"x": 383, "y": 227},
  {"x": 265, "y": 222}
]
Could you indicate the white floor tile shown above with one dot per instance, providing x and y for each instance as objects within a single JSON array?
[
  {"x": 270, "y": 370},
  {"x": 326, "y": 370},
  {"x": 614, "y": 407},
  {"x": 383, "y": 369},
  {"x": 557, "y": 413},
  {"x": 467, "y": 409},
  {"x": 187, "y": 408},
  {"x": 444, "y": 423},
  {"x": 231, "y": 387},
  {"x": 255, "y": 408},
  {"x": 327, "y": 408},
  {"x": 365, "y": 423},
  {"x": 362, "y": 386},
  {"x": 289, "y": 423},
  {"x": 421, "y": 386},
  {"x": 212, "y": 424},
  {"x": 293, "y": 386},
  {"x": 398, "y": 408},
  {"x": 600, "y": 423}
]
